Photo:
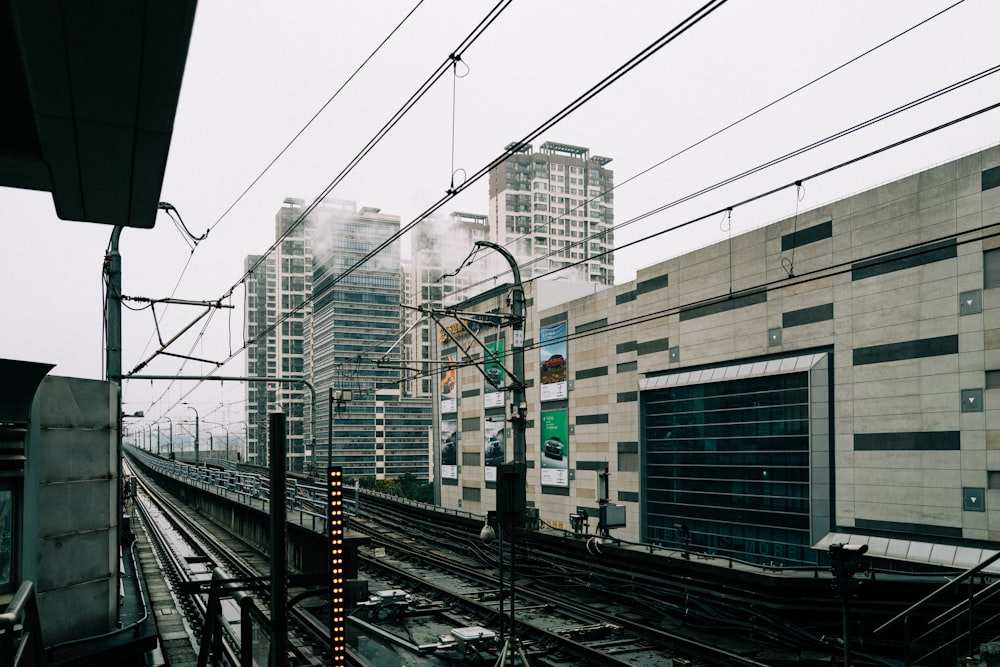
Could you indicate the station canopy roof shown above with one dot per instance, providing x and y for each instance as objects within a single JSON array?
[{"x": 91, "y": 92}]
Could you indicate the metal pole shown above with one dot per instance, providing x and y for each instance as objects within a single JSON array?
[
  {"x": 113, "y": 316},
  {"x": 847, "y": 638},
  {"x": 519, "y": 408},
  {"x": 329, "y": 432},
  {"x": 279, "y": 557}
]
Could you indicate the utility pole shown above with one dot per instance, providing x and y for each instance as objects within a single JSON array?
[
  {"x": 511, "y": 477},
  {"x": 195, "y": 433},
  {"x": 113, "y": 352},
  {"x": 519, "y": 407}
]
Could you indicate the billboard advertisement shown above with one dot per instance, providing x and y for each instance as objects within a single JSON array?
[
  {"x": 555, "y": 448},
  {"x": 492, "y": 389},
  {"x": 495, "y": 448},
  {"x": 553, "y": 362},
  {"x": 449, "y": 392},
  {"x": 449, "y": 448}
]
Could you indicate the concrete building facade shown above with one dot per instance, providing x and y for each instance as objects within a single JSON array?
[
  {"x": 275, "y": 319},
  {"x": 829, "y": 377},
  {"x": 354, "y": 338},
  {"x": 432, "y": 279},
  {"x": 553, "y": 209}
]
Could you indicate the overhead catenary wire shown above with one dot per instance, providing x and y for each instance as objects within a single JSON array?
[
  {"x": 620, "y": 184},
  {"x": 798, "y": 182},
  {"x": 442, "y": 69},
  {"x": 658, "y": 44},
  {"x": 783, "y": 158},
  {"x": 422, "y": 90},
  {"x": 726, "y": 210},
  {"x": 750, "y": 115},
  {"x": 167, "y": 207},
  {"x": 316, "y": 115}
]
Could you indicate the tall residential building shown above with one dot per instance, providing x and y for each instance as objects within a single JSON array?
[
  {"x": 431, "y": 281},
  {"x": 355, "y": 335},
  {"x": 554, "y": 209},
  {"x": 275, "y": 315}
]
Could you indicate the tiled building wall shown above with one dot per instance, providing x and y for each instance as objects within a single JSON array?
[{"x": 890, "y": 282}]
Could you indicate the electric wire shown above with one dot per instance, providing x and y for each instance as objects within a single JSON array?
[
  {"x": 442, "y": 69},
  {"x": 316, "y": 115},
  {"x": 758, "y": 168},
  {"x": 727, "y": 210},
  {"x": 724, "y": 211},
  {"x": 713, "y": 214},
  {"x": 407, "y": 106},
  {"x": 597, "y": 88},
  {"x": 267, "y": 168},
  {"x": 775, "y": 102},
  {"x": 748, "y": 116}
]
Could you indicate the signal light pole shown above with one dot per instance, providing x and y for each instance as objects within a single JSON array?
[{"x": 845, "y": 562}]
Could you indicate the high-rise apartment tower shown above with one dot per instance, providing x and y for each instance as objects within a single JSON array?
[{"x": 554, "y": 211}]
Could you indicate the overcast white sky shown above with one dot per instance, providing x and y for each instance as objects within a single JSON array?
[{"x": 257, "y": 72}]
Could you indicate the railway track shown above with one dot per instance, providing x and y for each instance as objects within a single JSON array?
[
  {"x": 437, "y": 600},
  {"x": 556, "y": 626},
  {"x": 189, "y": 548}
]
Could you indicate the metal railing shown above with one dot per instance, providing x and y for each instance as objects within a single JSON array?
[
  {"x": 218, "y": 637},
  {"x": 959, "y": 622},
  {"x": 21, "y": 630}
]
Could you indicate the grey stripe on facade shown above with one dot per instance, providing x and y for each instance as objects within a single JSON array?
[
  {"x": 824, "y": 230},
  {"x": 587, "y": 373},
  {"x": 625, "y": 297},
  {"x": 905, "y": 259},
  {"x": 908, "y": 441},
  {"x": 584, "y": 420},
  {"x": 907, "y": 349},
  {"x": 590, "y": 326},
  {"x": 723, "y": 305},
  {"x": 629, "y": 346},
  {"x": 908, "y": 530},
  {"x": 659, "y": 282},
  {"x": 795, "y": 318},
  {"x": 991, "y": 178},
  {"x": 651, "y": 346}
]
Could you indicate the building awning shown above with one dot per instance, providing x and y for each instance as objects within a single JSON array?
[
  {"x": 912, "y": 551},
  {"x": 735, "y": 372}
]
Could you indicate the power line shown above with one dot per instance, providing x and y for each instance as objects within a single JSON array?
[
  {"x": 400, "y": 113},
  {"x": 783, "y": 158},
  {"x": 720, "y": 131},
  {"x": 596, "y": 89},
  {"x": 713, "y": 214},
  {"x": 316, "y": 115}
]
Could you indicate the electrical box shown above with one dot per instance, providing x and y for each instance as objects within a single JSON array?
[{"x": 612, "y": 516}]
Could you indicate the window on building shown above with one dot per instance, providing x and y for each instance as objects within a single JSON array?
[
  {"x": 991, "y": 268},
  {"x": 7, "y": 539},
  {"x": 993, "y": 479},
  {"x": 993, "y": 379}
]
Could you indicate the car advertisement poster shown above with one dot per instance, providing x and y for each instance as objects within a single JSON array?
[
  {"x": 495, "y": 451},
  {"x": 493, "y": 395},
  {"x": 555, "y": 448},
  {"x": 449, "y": 449},
  {"x": 449, "y": 403},
  {"x": 553, "y": 361}
]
